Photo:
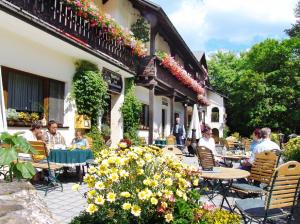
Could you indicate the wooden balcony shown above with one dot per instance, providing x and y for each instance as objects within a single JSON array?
[{"x": 54, "y": 14}]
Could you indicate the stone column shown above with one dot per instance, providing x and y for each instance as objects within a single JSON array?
[{"x": 152, "y": 85}]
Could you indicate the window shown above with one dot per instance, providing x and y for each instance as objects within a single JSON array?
[
  {"x": 215, "y": 114},
  {"x": 30, "y": 93},
  {"x": 144, "y": 119}
]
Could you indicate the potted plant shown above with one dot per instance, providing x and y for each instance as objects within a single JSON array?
[
  {"x": 11, "y": 145},
  {"x": 11, "y": 116},
  {"x": 34, "y": 116},
  {"x": 24, "y": 118}
]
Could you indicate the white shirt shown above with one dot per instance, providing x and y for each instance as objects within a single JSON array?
[
  {"x": 29, "y": 136},
  {"x": 208, "y": 143},
  {"x": 264, "y": 145}
]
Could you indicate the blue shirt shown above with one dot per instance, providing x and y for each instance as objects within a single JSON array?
[
  {"x": 253, "y": 145},
  {"x": 79, "y": 142}
]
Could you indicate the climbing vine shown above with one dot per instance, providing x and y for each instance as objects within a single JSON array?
[
  {"x": 141, "y": 30},
  {"x": 89, "y": 90},
  {"x": 131, "y": 110}
]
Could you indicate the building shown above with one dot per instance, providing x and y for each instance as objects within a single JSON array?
[{"x": 41, "y": 40}]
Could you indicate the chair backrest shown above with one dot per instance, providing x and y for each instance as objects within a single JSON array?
[
  {"x": 41, "y": 150},
  {"x": 246, "y": 143},
  {"x": 171, "y": 140},
  {"x": 284, "y": 189},
  {"x": 263, "y": 167},
  {"x": 205, "y": 157}
]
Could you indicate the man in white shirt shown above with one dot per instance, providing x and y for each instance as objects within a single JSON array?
[{"x": 265, "y": 145}]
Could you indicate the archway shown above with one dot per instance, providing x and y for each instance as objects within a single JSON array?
[{"x": 215, "y": 135}]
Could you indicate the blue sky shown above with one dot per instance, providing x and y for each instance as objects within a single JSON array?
[{"x": 234, "y": 25}]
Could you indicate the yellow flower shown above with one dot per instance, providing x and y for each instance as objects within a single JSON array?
[
  {"x": 196, "y": 182},
  {"x": 148, "y": 157},
  {"x": 142, "y": 195},
  {"x": 154, "y": 183},
  {"x": 148, "y": 193},
  {"x": 125, "y": 194},
  {"x": 99, "y": 200},
  {"x": 91, "y": 194},
  {"x": 111, "y": 197},
  {"x": 156, "y": 177},
  {"x": 75, "y": 187},
  {"x": 140, "y": 171},
  {"x": 168, "y": 182},
  {"x": 140, "y": 163},
  {"x": 114, "y": 177},
  {"x": 92, "y": 170},
  {"x": 99, "y": 185},
  {"x": 177, "y": 175},
  {"x": 179, "y": 193},
  {"x": 126, "y": 206},
  {"x": 153, "y": 201},
  {"x": 136, "y": 210},
  {"x": 123, "y": 145},
  {"x": 147, "y": 182},
  {"x": 168, "y": 217},
  {"x": 91, "y": 209},
  {"x": 124, "y": 173}
]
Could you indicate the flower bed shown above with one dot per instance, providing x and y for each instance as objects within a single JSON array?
[
  {"x": 141, "y": 185},
  {"x": 179, "y": 72},
  {"x": 89, "y": 11}
]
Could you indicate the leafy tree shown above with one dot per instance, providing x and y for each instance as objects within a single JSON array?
[
  {"x": 294, "y": 31},
  {"x": 262, "y": 84}
]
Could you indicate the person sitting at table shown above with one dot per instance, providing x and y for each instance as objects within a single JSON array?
[
  {"x": 52, "y": 136},
  {"x": 34, "y": 133},
  {"x": 207, "y": 141},
  {"x": 256, "y": 136},
  {"x": 79, "y": 141}
]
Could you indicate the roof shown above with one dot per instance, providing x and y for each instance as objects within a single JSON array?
[{"x": 167, "y": 26}]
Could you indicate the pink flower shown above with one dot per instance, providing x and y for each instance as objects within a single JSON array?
[{"x": 208, "y": 206}]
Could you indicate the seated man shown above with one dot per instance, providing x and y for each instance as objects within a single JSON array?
[{"x": 52, "y": 136}]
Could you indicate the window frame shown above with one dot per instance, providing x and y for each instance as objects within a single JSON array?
[
  {"x": 46, "y": 86},
  {"x": 215, "y": 115},
  {"x": 144, "y": 125}
]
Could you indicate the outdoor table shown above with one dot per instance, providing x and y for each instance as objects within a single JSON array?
[
  {"x": 224, "y": 174},
  {"x": 71, "y": 158}
]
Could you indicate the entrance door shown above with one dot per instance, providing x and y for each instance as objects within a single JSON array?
[{"x": 163, "y": 121}]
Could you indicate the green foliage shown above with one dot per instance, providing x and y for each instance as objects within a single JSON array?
[
  {"x": 9, "y": 155},
  {"x": 292, "y": 150},
  {"x": 105, "y": 130},
  {"x": 294, "y": 31},
  {"x": 89, "y": 90},
  {"x": 275, "y": 137},
  {"x": 220, "y": 217},
  {"x": 141, "y": 30},
  {"x": 262, "y": 85},
  {"x": 98, "y": 141},
  {"x": 131, "y": 110}
]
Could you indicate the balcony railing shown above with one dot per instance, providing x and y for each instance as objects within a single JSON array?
[{"x": 64, "y": 20}]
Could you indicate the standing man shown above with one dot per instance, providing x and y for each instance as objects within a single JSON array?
[
  {"x": 179, "y": 132},
  {"x": 52, "y": 136}
]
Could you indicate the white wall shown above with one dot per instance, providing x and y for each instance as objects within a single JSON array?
[
  {"x": 29, "y": 49},
  {"x": 161, "y": 44},
  {"x": 215, "y": 101}
]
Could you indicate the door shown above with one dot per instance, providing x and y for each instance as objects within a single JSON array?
[{"x": 163, "y": 121}]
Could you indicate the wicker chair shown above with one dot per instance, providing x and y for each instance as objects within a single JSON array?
[{"x": 281, "y": 198}]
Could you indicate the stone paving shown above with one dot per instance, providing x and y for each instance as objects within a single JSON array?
[{"x": 68, "y": 204}]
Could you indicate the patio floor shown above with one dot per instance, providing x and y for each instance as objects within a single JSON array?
[{"x": 68, "y": 204}]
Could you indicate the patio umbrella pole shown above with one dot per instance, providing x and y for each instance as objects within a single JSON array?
[{"x": 194, "y": 141}]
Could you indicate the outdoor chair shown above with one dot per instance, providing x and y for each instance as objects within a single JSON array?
[
  {"x": 40, "y": 161},
  {"x": 206, "y": 158},
  {"x": 260, "y": 174},
  {"x": 280, "y": 200}
]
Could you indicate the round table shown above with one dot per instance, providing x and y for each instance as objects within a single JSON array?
[
  {"x": 70, "y": 158},
  {"x": 235, "y": 157},
  {"x": 221, "y": 174}
]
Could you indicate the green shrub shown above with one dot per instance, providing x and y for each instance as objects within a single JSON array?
[
  {"x": 98, "y": 141},
  {"x": 275, "y": 137},
  {"x": 131, "y": 110},
  {"x": 89, "y": 90},
  {"x": 292, "y": 150}
]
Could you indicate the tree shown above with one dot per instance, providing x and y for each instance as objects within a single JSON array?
[
  {"x": 262, "y": 84},
  {"x": 294, "y": 31}
]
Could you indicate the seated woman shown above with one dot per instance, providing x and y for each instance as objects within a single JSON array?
[{"x": 79, "y": 141}]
